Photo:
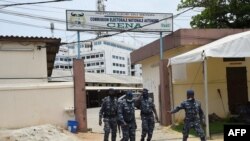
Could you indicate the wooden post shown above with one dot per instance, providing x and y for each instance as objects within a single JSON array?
[
  {"x": 165, "y": 104},
  {"x": 80, "y": 94}
]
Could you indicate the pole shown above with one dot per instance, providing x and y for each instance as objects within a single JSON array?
[
  {"x": 78, "y": 45},
  {"x": 206, "y": 98},
  {"x": 161, "y": 46}
]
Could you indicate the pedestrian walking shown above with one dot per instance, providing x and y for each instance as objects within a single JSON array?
[
  {"x": 126, "y": 117},
  {"x": 148, "y": 111},
  {"x": 194, "y": 116},
  {"x": 109, "y": 114}
]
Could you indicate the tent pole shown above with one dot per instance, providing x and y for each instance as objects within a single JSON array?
[
  {"x": 161, "y": 46},
  {"x": 206, "y": 97}
]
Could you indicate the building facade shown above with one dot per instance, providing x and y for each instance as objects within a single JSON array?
[
  {"x": 27, "y": 63},
  {"x": 183, "y": 77},
  {"x": 101, "y": 56}
]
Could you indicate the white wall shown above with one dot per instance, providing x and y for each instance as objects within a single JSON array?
[
  {"x": 151, "y": 78},
  {"x": 22, "y": 64},
  {"x": 34, "y": 104},
  {"x": 217, "y": 79}
]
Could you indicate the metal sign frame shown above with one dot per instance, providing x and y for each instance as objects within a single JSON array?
[{"x": 83, "y": 20}]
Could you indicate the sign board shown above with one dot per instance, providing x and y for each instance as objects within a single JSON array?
[{"x": 80, "y": 20}]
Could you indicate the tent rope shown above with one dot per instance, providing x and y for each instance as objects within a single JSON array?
[{"x": 191, "y": 86}]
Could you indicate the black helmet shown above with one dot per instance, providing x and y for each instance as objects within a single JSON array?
[
  {"x": 190, "y": 92},
  {"x": 111, "y": 91},
  {"x": 129, "y": 96},
  {"x": 144, "y": 90}
]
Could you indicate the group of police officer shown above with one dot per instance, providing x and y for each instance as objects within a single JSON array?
[{"x": 121, "y": 113}]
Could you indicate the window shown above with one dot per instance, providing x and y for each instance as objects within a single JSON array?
[
  {"x": 102, "y": 63},
  {"x": 88, "y": 57},
  {"x": 71, "y": 67},
  {"x": 116, "y": 57},
  {"x": 120, "y": 58},
  {"x": 61, "y": 67},
  {"x": 98, "y": 71},
  {"x": 102, "y": 71},
  {"x": 97, "y": 56},
  {"x": 116, "y": 64},
  {"x": 123, "y": 72},
  {"x": 101, "y": 55},
  {"x": 233, "y": 59},
  {"x": 57, "y": 66},
  {"x": 92, "y": 56},
  {"x": 61, "y": 59},
  {"x": 113, "y": 56},
  {"x": 83, "y": 57},
  {"x": 123, "y": 65},
  {"x": 69, "y": 59},
  {"x": 66, "y": 67},
  {"x": 133, "y": 73},
  {"x": 114, "y": 71},
  {"x": 65, "y": 59},
  {"x": 120, "y": 65},
  {"x": 113, "y": 64},
  {"x": 120, "y": 72},
  {"x": 88, "y": 65},
  {"x": 92, "y": 64},
  {"x": 132, "y": 67},
  {"x": 97, "y": 63},
  {"x": 57, "y": 59}
]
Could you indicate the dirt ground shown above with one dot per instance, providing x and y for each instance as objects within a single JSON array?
[
  {"x": 90, "y": 136},
  {"x": 170, "y": 135},
  {"x": 161, "y": 133}
]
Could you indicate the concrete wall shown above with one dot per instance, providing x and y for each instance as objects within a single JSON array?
[
  {"x": 34, "y": 104},
  {"x": 24, "y": 61},
  {"x": 150, "y": 71},
  {"x": 216, "y": 80}
]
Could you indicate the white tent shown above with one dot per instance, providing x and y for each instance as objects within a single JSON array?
[
  {"x": 236, "y": 45},
  {"x": 233, "y": 46}
]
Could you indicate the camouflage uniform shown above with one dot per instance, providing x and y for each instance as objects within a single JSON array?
[
  {"x": 193, "y": 117},
  {"x": 147, "y": 117},
  {"x": 126, "y": 116},
  {"x": 108, "y": 112}
]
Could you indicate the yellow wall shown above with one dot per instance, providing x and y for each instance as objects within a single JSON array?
[
  {"x": 216, "y": 80},
  {"x": 22, "y": 64},
  {"x": 34, "y": 104},
  {"x": 150, "y": 71}
]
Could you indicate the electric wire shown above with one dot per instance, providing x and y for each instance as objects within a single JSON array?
[{"x": 31, "y": 3}]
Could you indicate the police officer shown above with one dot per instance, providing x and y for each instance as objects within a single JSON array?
[
  {"x": 109, "y": 114},
  {"x": 193, "y": 116},
  {"x": 147, "y": 109},
  {"x": 126, "y": 116}
]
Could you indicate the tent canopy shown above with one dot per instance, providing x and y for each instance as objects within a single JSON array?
[{"x": 233, "y": 46}]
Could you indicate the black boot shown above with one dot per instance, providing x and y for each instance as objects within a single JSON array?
[
  {"x": 142, "y": 139},
  {"x": 184, "y": 138},
  {"x": 203, "y": 139}
]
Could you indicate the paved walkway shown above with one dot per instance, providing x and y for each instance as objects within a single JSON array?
[{"x": 160, "y": 133}]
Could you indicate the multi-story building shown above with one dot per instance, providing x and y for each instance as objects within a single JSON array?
[{"x": 101, "y": 56}]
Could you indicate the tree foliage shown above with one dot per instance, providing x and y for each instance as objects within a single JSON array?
[{"x": 219, "y": 13}]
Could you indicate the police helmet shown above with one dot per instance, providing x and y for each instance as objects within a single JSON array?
[{"x": 190, "y": 92}]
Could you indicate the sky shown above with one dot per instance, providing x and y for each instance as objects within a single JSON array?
[{"x": 10, "y": 21}]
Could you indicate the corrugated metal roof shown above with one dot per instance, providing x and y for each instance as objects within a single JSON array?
[
  {"x": 27, "y": 37},
  {"x": 66, "y": 75}
]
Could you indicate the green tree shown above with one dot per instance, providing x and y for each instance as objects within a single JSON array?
[{"x": 219, "y": 13}]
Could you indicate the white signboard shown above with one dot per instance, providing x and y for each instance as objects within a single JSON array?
[{"x": 119, "y": 21}]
